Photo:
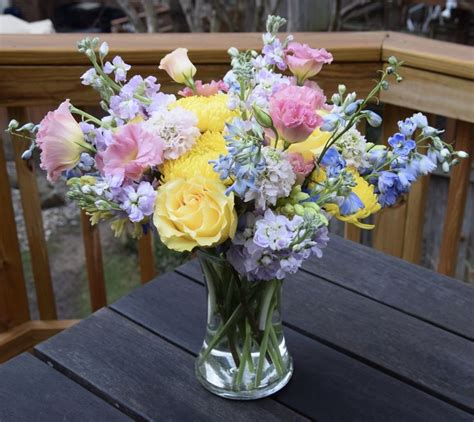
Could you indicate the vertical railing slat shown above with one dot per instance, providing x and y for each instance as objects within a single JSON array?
[
  {"x": 34, "y": 223},
  {"x": 146, "y": 258},
  {"x": 94, "y": 265},
  {"x": 13, "y": 298},
  {"x": 390, "y": 223},
  {"x": 456, "y": 203}
]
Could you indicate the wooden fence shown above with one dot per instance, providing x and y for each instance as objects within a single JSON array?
[{"x": 45, "y": 69}]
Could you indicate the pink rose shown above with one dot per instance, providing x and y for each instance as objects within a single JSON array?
[
  {"x": 205, "y": 90},
  {"x": 305, "y": 61},
  {"x": 301, "y": 167},
  {"x": 61, "y": 141},
  {"x": 293, "y": 111},
  {"x": 132, "y": 151}
]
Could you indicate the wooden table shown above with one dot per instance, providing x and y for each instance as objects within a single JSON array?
[{"x": 373, "y": 339}]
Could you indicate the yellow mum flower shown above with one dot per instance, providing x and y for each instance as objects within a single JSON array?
[
  {"x": 314, "y": 144},
  {"x": 194, "y": 212},
  {"x": 212, "y": 112},
  {"x": 366, "y": 194},
  {"x": 196, "y": 161}
]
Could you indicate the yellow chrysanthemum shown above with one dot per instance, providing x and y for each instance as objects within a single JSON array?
[
  {"x": 365, "y": 192},
  {"x": 196, "y": 161},
  {"x": 212, "y": 112}
]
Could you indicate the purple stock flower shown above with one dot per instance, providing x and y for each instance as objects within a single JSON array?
[
  {"x": 138, "y": 202},
  {"x": 274, "y": 54},
  {"x": 119, "y": 67}
]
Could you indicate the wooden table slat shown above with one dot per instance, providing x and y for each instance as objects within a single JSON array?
[
  {"x": 32, "y": 391},
  {"x": 419, "y": 353},
  {"x": 426, "y": 294},
  {"x": 327, "y": 385},
  {"x": 144, "y": 375}
]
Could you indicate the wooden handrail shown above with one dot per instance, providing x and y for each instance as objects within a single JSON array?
[{"x": 45, "y": 69}]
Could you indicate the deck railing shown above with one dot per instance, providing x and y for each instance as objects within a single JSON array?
[{"x": 45, "y": 69}]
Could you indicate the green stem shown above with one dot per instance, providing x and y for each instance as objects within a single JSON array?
[
  {"x": 245, "y": 353},
  {"x": 264, "y": 345},
  {"x": 88, "y": 116}
]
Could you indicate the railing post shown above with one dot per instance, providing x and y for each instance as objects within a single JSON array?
[
  {"x": 146, "y": 258},
  {"x": 34, "y": 223},
  {"x": 95, "y": 270},
  {"x": 457, "y": 196},
  {"x": 13, "y": 298}
]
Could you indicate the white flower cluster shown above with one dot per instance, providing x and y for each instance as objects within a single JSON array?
[
  {"x": 352, "y": 145},
  {"x": 274, "y": 182},
  {"x": 177, "y": 128}
]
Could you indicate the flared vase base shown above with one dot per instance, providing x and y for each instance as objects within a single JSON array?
[{"x": 254, "y": 394}]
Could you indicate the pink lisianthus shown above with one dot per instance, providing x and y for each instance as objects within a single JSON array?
[
  {"x": 293, "y": 111},
  {"x": 301, "y": 167},
  {"x": 205, "y": 90},
  {"x": 305, "y": 61},
  {"x": 132, "y": 151},
  {"x": 61, "y": 141}
]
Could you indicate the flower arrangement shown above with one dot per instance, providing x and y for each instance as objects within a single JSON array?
[{"x": 247, "y": 171}]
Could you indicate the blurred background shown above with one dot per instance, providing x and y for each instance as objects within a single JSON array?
[{"x": 450, "y": 20}]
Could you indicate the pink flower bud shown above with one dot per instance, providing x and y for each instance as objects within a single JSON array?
[
  {"x": 304, "y": 61},
  {"x": 178, "y": 65}
]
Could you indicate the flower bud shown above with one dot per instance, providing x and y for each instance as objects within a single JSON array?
[
  {"x": 351, "y": 108},
  {"x": 299, "y": 209},
  {"x": 178, "y": 66},
  {"x": 373, "y": 119},
  {"x": 444, "y": 152},
  {"x": 336, "y": 99},
  {"x": 341, "y": 88},
  {"x": 393, "y": 60},
  {"x": 462, "y": 154},
  {"x": 26, "y": 154},
  {"x": 262, "y": 117},
  {"x": 104, "y": 49},
  {"x": 232, "y": 52},
  {"x": 13, "y": 125},
  {"x": 445, "y": 167}
]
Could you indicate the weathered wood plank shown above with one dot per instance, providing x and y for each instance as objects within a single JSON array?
[
  {"x": 13, "y": 298},
  {"x": 436, "y": 56},
  {"x": 414, "y": 351},
  {"x": 326, "y": 385},
  {"x": 31, "y": 205},
  {"x": 146, "y": 257},
  {"x": 95, "y": 268},
  {"x": 23, "y": 337},
  {"x": 32, "y": 391},
  {"x": 456, "y": 203},
  {"x": 44, "y": 85},
  {"x": 144, "y": 375},
  {"x": 150, "y": 48},
  {"x": 432, "y": 93},
  {"x": 430, "y": 296}
]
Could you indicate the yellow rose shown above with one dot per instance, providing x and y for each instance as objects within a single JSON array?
[{"x": 194, "y": 212}]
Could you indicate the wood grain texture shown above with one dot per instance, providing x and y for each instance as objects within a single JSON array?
[
  {"x": 326, "y": 385},
  {"x": 31, "y": 391},
  {"x": 146, "y": 258},
  {"x": 60, "y": 49},
  {"x": 95, "y": 268},
  {"x": 414, "y": 290},
  {"x": 390, "y": 222},
  {"x": 432, "y": 93},
  {"x": 31, "y": 205},
  {"x": 23, "y": 337},
  {"x": 13, "y": 298},
  {"x": 143, "y": 375},
  {"x": 432, "y": 55},
  {"x": 456, "y": 203},
  {"x": 387, "y": 337},
  {"x": 45, "y": 85}
]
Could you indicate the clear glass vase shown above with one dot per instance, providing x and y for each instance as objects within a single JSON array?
[{"x": 244, "y": 354}]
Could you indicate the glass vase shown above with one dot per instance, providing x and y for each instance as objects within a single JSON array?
[{"x": 244, "y": 354}]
